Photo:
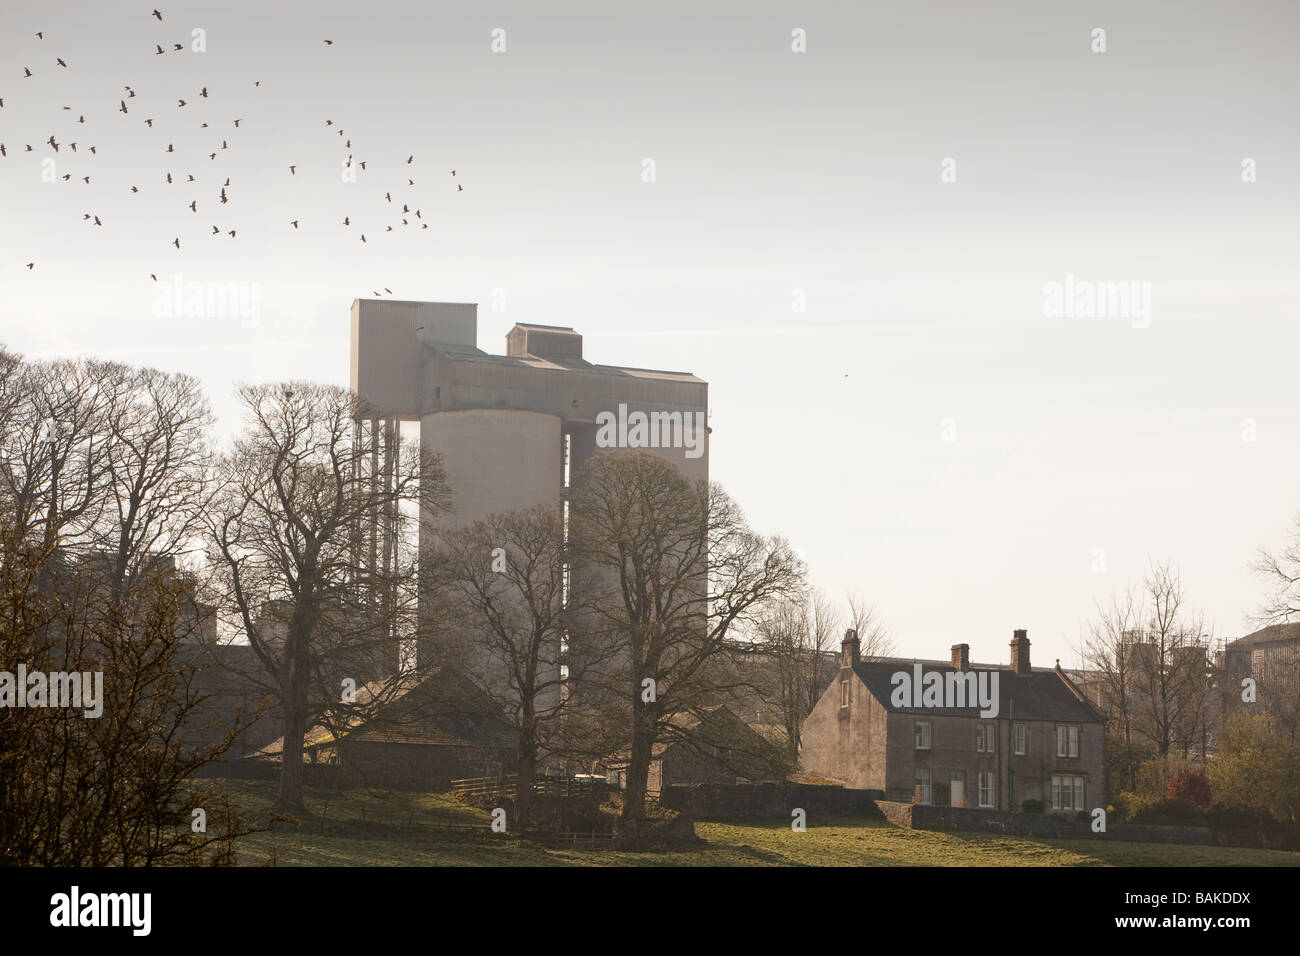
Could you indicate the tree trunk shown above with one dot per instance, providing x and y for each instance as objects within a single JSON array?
[
  {"x": 290, "y": 797},
  {"x": 525, "y": 770},
  {"x": 638, "y": 767}
]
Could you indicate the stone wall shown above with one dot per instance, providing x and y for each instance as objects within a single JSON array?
[
  {"x": 921, "y": 816},
  {"x": 766, "y": 801}
]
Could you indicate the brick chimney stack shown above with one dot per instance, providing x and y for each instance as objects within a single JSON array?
[
  {"x": 1020, "y": 652},
  {"x": 850, "y": 648},
  {"x": 961, "y": 657}
]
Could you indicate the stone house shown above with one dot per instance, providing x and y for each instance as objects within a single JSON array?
[
  {"x": 423, "y": 734},
  {"x": 711, "y": 746},
  {"x": 971, "y": 736}
]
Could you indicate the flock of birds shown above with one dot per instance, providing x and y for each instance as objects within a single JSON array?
[{"x": 408, "y": 217}]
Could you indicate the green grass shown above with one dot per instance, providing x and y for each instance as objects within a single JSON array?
[{"x": 409, "y": 830}]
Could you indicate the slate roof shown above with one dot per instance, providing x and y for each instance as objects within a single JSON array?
[
  {"x": 1274, "y": 632},
  {"x": 1042, "y": 694}
]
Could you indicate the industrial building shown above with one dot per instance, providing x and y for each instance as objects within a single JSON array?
[{"x": 512, "y": 429}]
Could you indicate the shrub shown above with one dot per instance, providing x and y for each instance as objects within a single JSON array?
[
  {"x": 1190, "y": 785},
  {"x": 1128, "y": 805},
  {"x": 1170, "y": 811},
  {"x": 1032, "y": 806}
]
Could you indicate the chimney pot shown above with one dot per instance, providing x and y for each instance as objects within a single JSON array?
[
  {"x": 961, "y": 657},
  {"x": 850, "y": 649},
  {"x": 1020, "y": 651}
]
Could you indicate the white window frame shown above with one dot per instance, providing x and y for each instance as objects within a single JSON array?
[
  {"x": 922, "y": 740},
  {"x": 987, "y": 785},
  {"x": 1020, "y": 736},
  {"x": 922, "y": 778},
  {"x": 986, "y": 737},
  {"x": 1071, "y": 784},
  {"x": 844, "y": 692},
  {"x": 1067, "y": 740}
]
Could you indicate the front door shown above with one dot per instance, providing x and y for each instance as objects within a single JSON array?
[{"x": 959, "y": 788}]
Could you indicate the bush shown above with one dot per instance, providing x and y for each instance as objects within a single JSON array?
[
  {"x": 1190, "y": 785},
  {"x": 1174, "y": 811},
  {"x": 1032, "y": 806},
  {"x": 1128, "y": 805}
]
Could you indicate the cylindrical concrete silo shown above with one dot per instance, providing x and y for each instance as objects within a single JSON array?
[{"x": 497, "y": 459}]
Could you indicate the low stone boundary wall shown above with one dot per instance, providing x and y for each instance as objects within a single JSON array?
[
  {"x": 922, "y": 816},
  {"x": 763, "y": 801}
]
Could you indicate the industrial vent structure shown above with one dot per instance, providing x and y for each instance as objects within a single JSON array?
[{"x": 512, "y": 429}]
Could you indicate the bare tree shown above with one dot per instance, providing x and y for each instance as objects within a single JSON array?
[
  {"x": 294, "y": 496},
  {"x": 873, "y": 636},
  {"x": 684, "y": 569},
  {"x": 503, "y": 584},
  {"x": 1282, "y": 570},
  {"x": 797, "y": 635},
  {"x": 1106, "y": 651}
]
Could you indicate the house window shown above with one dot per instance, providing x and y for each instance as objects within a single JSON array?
[
  {"x": 922, "y": 784},
  {"x": 844, "y": 693},
  {"x": 1067, "y": 740},
  {"x": 985, "y": 738},
  {"x": 1067, "y": 791},
  {"x": 986, "y": 789},
  {"x": 957, "y": 791},
  {"x": 1022, "y": 738},
  {"x": 922, "y": 735}
]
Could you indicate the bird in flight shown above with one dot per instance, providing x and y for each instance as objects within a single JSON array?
[
  {"x": 460, "y": 188},
  {"x": 292, "y": 171},
  {"x": 30, "y": 265},
  {"x": 122, "y": 109},
  {"x": 329, "y": 42},
  {"x": 59, "y": 60},
  {"x": 204, "y": 92},
  {"x": 135, "y": 189},
  {"x": 194, "y": 206},
  {"x": 191, "y": 178},
  {"x": 236, "y": 124},
  {"x": 86, "y": 180},
  {"x": 169, "y": 177},
  {"x": 160, "y": 50},
  {"x": 388, "y": 196},
  {"x": 362, "y": 164},
  {"x": 40, "y": 34},
  {"x": 2, "y": 150},
  {"x": 158, "y": 15},
  {"x": 82, "y": 118},
  {"x": 295, "y": 223},
  {"x": 176, "y": 46},
  {"x": 329, "y": 122},
  {"x": 73, "y": 146},
  {"x": 176, "y": 243},
  {"x": 97, "y": 222},
  {"x": 453, "y": 172},
  {"x": 410, "y": 182},
  {"x": 224, "y": 199},
  {"x": 180, "y": 103},
  {"x": 216, "y": 231},
  {"x": 227, "y": 180},
  {"x": 154, "y": 277},
  {"x": 363, "y": 237},
  {"x": 347, "y": 220},
  {"x": 170, "y": 149},
  {"x": 67, "y": 176},
  {"x": 26, "y": 72},
  {"x": 149, "y": 123},
  {"x": 92, "y": 149},
  {"x": 388, "y": 290}
]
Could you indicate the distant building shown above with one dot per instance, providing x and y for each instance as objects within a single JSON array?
[
  {"x": 422, "y": 735},
  {"x": 713, "y": 746},
  {"x": 1046, "y": 741}
]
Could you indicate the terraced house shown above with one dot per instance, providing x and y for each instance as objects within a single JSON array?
[{"x": 1037, "y": 739}]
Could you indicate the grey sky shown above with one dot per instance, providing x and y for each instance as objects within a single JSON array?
[{"x": 775, "y": 172}]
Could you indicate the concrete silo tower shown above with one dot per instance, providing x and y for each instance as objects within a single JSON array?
[{"x": 512, "y": 429}]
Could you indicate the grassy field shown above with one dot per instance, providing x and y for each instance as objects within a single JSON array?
[{"x": 400, "y": 829}]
